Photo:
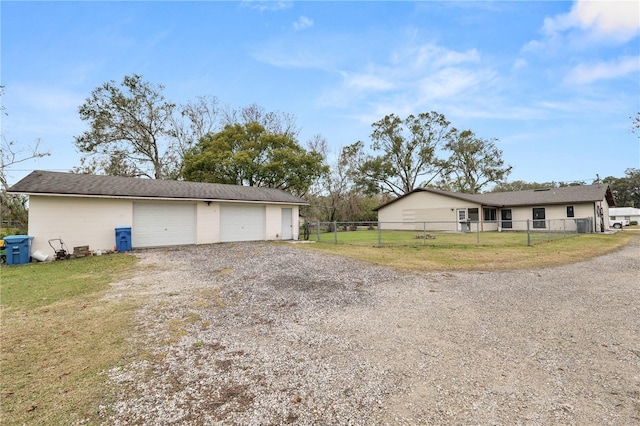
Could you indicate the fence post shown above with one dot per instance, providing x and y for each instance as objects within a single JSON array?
[
  {"x": 379, "y": 234},
  {"x": 335, "y": 232},
  {"x": 528, "y": 234},
  {"x": 549, "y": 230},
  {"x": 478, "y": 233},
  {"x": 318, "y": 231},
  {"x": 424, "y": 233}
]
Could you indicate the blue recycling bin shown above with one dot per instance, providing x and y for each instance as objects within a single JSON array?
[
  {"x": 18, "y": 249},
  {"x": 123, "y": 238}
]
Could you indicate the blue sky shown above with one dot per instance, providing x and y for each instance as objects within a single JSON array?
[{"x": 555, "y": 82}]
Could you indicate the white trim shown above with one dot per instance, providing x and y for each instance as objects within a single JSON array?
[{"x": 132, "y": 197}]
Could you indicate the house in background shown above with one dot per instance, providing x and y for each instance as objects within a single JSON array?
[
  {"x": 85, "y": 209},
  {"x": 628, "y": 213},
  {"x": 582, "y": 208}
]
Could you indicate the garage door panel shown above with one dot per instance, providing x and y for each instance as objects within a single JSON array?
[
  {"x": 163, "y": 224},
  {"x": 242, "y": 223}
]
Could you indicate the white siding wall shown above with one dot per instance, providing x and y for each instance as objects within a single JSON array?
[
  {"x": 78, "y": 221},
  {"x": 274, "y": 221},
  {"x": 521, "y": 214},
  {"x": 423, "y": 207},
  {"x": 92, "y": 221},
  {"x": 207, "y": 223}
]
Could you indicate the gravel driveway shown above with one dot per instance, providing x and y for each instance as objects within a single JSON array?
[{"x": 260, "y": 333}]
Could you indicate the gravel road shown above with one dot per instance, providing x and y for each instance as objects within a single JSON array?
[{"x": 261, "y": 333}]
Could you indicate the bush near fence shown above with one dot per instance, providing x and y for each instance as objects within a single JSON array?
[{"x": 517, "y": 233}]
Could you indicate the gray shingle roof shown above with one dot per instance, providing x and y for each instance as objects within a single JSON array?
[
  {"x": 55, "y": 183},
  {"x": 534, "y": 197},
  {"x": 539, "y": 197}
]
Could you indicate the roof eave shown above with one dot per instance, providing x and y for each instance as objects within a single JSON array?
[{"x": 140, "y": 197}]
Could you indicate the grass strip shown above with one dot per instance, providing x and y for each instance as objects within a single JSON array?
[
  {"x": 59, "y": 334},
  {"x": 501, "y": 251}
]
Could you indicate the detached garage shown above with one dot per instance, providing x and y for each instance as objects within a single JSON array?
[{"x": 85, "y": 210}]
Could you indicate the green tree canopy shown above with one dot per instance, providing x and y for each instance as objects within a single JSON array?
[
  {"x": 406, "y": 152},
  {"x": 521, "y": 185},
  {"x": 129, "y": 129},
  {"x": 247, "y": 154},
  {"x": 417, "y": 150},
  {"x": 474, "y": 163},
  {"x": 626, "y": 190}
]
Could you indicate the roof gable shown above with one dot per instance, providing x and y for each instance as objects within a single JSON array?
[{"x": 56, "y": 183}]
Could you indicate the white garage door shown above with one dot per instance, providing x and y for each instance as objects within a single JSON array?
[
  {"x": 163, "y": 224},
  {"x": 242, "y": 223}
]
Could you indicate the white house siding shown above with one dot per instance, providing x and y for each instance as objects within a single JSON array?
[
  {"x": 83, "y": 221},
  {"x": 412, "y": 211},
  {"x": 520, "y": 215},
  {"x": 78, "y": 221},
  {"x": 274, "y": 221},
  {"x": 207, "y": 222},
  {"x": 629, "y": 213}
]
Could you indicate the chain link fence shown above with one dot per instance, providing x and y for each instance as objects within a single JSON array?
[{"x": 515, "y": 233}]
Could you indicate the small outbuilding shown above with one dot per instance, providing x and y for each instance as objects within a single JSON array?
[
  {"x": 583, "y": 208},
  {"x": 84, "y": 209},
  {"x": 625, "y": 213}
]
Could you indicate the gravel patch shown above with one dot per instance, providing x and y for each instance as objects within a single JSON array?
[{"x": 261, "y": 333}]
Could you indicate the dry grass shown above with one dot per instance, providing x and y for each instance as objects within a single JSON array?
[
  {"x": 470, "y": 257},
  {"x": 58, "y": 336}
]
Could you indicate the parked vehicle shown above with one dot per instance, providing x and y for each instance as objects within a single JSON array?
[{"x": 618, "y": 223}]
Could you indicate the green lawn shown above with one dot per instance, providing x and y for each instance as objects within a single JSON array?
[
  {"x": 461, "y": 251},
  {"x": 58, "y": 335}
]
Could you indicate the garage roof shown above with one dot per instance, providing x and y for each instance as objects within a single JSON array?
[{"x": 71, "y": 184}]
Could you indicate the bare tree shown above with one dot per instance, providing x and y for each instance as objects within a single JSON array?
[
  {"x": 278, "y": 123},
  {"x": 13, "y": 207},
  {"x": 194, "y": 120}
]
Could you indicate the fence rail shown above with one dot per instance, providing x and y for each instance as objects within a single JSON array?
[{"x": 518, "y": 233}]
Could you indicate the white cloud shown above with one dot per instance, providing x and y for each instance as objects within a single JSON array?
[
  {"x": 617, "y": 20},
  {"x": 267, "y": 5},
  {"x": 302, "y": 23},
  {"x": 51, "y": 99},
  {"x": 450, "y": 82},
  {"x": 588, "y": 73},
  {"x": 436, "y": 56},
  {"x": 430, "y": 71},
  {"x": 520, "y": 63},
  {"x": 414, "y": 78},
  {"x": 366, "y": 82}
]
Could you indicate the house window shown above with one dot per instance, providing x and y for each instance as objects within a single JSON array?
[
  {"x": 505, "y": 214},
  {"x": 473, "y": 215},
  {"x": 490, "y": 215},
  {"x": 538, "y": 218},
  {"x": 570, "y": 211}
]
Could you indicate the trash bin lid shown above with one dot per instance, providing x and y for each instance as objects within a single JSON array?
[{"x": 13, "y": 239}]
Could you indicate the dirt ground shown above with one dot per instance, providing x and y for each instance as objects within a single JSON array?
[{"x": 260, "y": 333}]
